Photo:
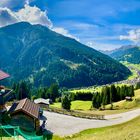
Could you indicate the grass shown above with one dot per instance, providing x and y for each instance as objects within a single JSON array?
[
  {"x": 126, "y": 131},
  {"x": 76, "y": 105}
]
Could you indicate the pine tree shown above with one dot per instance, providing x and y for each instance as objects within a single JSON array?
[
  {"x": 113, "y": 93},
  {"x": 96, "y": 101},
  {"x": 53, "y": 90},
  {"x": 66, "y": 102},
  {"x": 138, "y": 85}
]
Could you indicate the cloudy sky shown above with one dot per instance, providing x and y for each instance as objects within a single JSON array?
[{"x": 101, "y": 24}]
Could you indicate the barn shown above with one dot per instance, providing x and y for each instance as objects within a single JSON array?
[{"x": 25, "y": 114}]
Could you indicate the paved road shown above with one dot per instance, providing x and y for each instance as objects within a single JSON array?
[{"x": 64, "y": 125}]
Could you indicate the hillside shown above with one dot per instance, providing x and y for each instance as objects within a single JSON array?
[
  {"x": 130, "y": 54},
  {"x": 37, "y": 54}
]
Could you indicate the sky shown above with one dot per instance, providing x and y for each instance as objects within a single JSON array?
[{"x": 100, "y": 24}]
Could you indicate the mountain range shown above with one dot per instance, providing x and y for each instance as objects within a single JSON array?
[
  {"x": 128, "y": 53},
  {"x": 42, "y": 56}
]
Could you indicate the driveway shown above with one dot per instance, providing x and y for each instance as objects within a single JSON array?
[{"x": 64, "y": 125}]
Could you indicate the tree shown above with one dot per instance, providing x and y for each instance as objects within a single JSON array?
[
  {"x": 118, "y": 93},
  {"x": 22, "y": 90},
  {"x": 96, "y": 101},
  {"x": 54, "y": 93},
  {"x": 113, "y": 92},
  {"x": 138, "y": 85},
  {"x": 104, "y": 99},
  {"x": 131, "y": 91},
  {"x": 66, "y": 102}
]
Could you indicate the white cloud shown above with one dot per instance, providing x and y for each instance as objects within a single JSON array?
[
  {"x": 7, "y": 17},
  {"x": 29, "y": 14},
  {"x": 33, "y": 15},
  {"x": 133, "y": 35},
  {"x": 13, "y": 3},
  {"x": 64, "y": 32},
  {"x": 102, "y": 46}
]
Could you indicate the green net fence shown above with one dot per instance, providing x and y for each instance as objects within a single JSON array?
[{"x": 18, "y": 134}]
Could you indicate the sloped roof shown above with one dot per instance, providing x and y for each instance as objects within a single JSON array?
[
  {"x": 26, "y": 106},
  {"x": 41, "y": 100},
  {"x": 3, "y": 75}
]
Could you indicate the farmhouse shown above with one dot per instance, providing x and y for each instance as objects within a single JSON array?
[{"x": 25, "y": 114}]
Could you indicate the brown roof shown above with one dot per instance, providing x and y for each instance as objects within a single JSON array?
[
  {"x": 26, "y": 106},
  {"x": 3, "y": 75}
]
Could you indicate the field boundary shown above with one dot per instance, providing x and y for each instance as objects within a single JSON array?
[{"x": 75, "y": 113}]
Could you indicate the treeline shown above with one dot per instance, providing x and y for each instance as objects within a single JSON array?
[
  {"x": 86, "y": 96},
  {"x": 108, "y": 94},
  {"x": 24, "y": 90}
]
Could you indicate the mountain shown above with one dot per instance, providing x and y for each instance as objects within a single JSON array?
[
  {"x": 35, "y": 53},
  {"x": 127, "y": 53}
]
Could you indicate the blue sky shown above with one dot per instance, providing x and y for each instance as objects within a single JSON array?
[{"x": 101, "y": 24}]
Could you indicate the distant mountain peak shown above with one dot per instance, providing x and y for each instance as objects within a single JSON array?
[{"x": 129, "y": 53}]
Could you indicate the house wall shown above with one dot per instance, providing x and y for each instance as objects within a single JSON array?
[{"x": 24, "y": 121}]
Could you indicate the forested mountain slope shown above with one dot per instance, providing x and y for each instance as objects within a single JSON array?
[{"x": 37, "y": 54}]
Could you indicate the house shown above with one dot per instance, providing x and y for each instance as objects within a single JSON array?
[
  {"x": 25, "y": 114},
  {"x": 43, "y": 103},
  {"x": 5, "y": 94},
  {"x": 3, "y": 75},
  {"x": 127, "y": 98}
]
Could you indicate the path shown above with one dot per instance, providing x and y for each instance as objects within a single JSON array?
[{"x": 64, "y": 125}]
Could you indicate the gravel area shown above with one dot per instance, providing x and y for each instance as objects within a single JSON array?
[{"x": 64, "y": 125}]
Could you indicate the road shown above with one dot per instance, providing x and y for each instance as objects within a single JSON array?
[{"x": 64, "y": 125}]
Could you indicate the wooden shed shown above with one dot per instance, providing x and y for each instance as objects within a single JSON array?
[
  {"x": 25, "y": 114},
  {"x": 43, "y": 103}
]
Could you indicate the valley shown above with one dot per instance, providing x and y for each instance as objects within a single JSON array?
[{"x": 69, "y": 70}]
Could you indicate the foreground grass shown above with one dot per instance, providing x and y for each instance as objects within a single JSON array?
[{"x": 126, "y": 131}]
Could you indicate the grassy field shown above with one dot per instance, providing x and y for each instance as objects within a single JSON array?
[
  {"x": 126, "y": 131},
  {"x": 77, "y": 105}
]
